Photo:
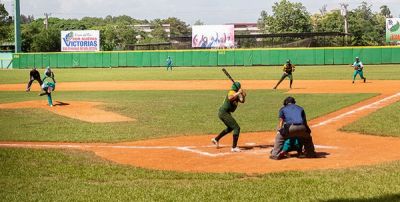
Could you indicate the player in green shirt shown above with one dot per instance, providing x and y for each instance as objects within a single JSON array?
[
  {"x": 48, "y": 86},
  {"x": 235, "y": 95}
]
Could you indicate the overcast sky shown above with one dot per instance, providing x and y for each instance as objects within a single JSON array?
[{"x": 208, "y": 11}]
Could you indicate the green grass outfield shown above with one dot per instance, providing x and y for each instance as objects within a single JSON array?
[
  {"x": 337, "y": 72},
  {"x": 384, "y": 122},
  {"x": 69, "y": 175},
  {"x": 158, "y": 114},
  {"x": 58, "y": 175}
]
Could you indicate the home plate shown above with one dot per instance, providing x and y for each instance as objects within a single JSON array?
[{"x": 250, "y": 144}]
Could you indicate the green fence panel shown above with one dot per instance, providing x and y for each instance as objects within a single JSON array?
[
  {"x": 68, "y": 60},
  {"x": 230, "y": 57},
  {"x": 38, "y": 60},
  {"x": 239, "y": 57},
  {"x": 204, "y": 58},
  {"x": 162, "y": 59},
  {"x": 138, "y": 59},
  {"x": 53, "y": 60},
  {"x": 338, "y": 56},
  {"x": 283, "y": 56},
  {"x": 46, "y": 60},
  {"x": 146, "y": 59},
  {"x": 274, "y": 58},
  {"x": 265, "y": 57},
  {"x": 358, "y": 52},
  {"x": 306, "y": 56},
  {"x": 114, "y": 59},
  {"x": 248, "y": 58},
  {"x": 122, "y": 59},
  {"x": 106, "y": 59},
  {"x": 319, "y": 56},
  {"x": 60, "y": 60},
  {"x": 187, "y": 58},
  {"x": 196, "y": 55},
  {"x": 76, "y": 59},
  {"x": 16, "y": 62},
  {"x": 98, "y": 60},
  {"x": 386, "y": 55},
  {"x": 213, "y": 58},
  {"x": 329, "y": 56},
  {"x": 221, "y": 57},
  {"x": 292, "y": 55},
  {"x": 256, "y": 54},
  {"x": 178, "y": 60},
  {"x": 347, "y": 56},
  {"x": 155, "y": 59},
  {"x": 91, "y": 59},
  {"x": 395, "y": 55},
  {"x": 130, "y": 59},
  {"x": 30, "y": 61},
  {"x": 23, "y": 61},
  {"x": 83, "y": 60},
  {"x": 373, "y": 55}
]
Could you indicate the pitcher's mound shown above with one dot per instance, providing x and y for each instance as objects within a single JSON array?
[{"x": 84, "y": 111}]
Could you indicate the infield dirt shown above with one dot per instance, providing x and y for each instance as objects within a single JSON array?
[{"x": 196, "y": 154}]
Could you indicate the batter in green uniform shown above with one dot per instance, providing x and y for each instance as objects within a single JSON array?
[{"x": 235, "y": 95}]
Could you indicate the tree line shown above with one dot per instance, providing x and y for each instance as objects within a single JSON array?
[{"x": 119, "y": 33}]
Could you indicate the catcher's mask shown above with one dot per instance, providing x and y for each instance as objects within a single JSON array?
[{"x": 289, "y": 100}]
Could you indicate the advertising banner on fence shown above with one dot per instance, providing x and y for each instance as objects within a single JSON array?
[
  {"x": 392, "y": 29},
  {"x": 80, "y": 40},
  {"x": 213, "y": 36}
]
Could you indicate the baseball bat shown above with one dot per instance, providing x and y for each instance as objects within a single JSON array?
[{"x": 229, "y": 76}]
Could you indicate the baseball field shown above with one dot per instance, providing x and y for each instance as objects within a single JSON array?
[{"x": 124, "y": 134}]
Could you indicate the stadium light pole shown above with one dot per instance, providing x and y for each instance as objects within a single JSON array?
[
  {"x": 17, "y": 27},
  {"x": 344, "y": 14}
]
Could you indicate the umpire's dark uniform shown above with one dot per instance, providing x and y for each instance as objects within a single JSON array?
[
  {"x": 293, "y": 123},
  {"x": 34, "y": 75}
]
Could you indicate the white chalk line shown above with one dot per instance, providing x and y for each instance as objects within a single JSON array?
[
  {"x": 374, "y": 105},
  {"x": 194, "y": 149}
]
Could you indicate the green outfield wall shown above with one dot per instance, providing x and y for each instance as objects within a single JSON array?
[{"x": 210, "y": 58}]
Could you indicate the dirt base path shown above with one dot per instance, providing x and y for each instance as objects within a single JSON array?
[
  {"x": 196, "y": 154},
  {"x": 303, "y": 86},
  {"x": 84, "y": 111}
]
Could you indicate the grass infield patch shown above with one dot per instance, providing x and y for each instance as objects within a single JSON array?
[
  {"x": 158, "y": 114},
  {"x": 384, "y": 122}
]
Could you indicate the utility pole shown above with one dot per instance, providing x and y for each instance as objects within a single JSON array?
[
  {"x": 46, "y": 20},
  {"x": 344, "y": 14},
  {"x": 17, "y": 27}
]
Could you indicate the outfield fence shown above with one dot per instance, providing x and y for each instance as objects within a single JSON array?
[
  {"x": 6, "y": 60},
  {"x": 211, "y": 58}
]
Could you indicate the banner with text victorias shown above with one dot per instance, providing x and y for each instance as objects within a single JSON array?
[{"x": 80, "y": 40}]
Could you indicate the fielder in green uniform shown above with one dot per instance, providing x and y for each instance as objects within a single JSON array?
[
  {"x": 48, "y": 86},
  {"x": 169, "y": 63},
  {"x": 358, "y": 69},
  {"x": 288, "y": 68},
  {"x": 235, "y": 95}
]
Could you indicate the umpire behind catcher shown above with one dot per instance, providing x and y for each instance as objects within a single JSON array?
[{"x": 292, "y": 123}]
